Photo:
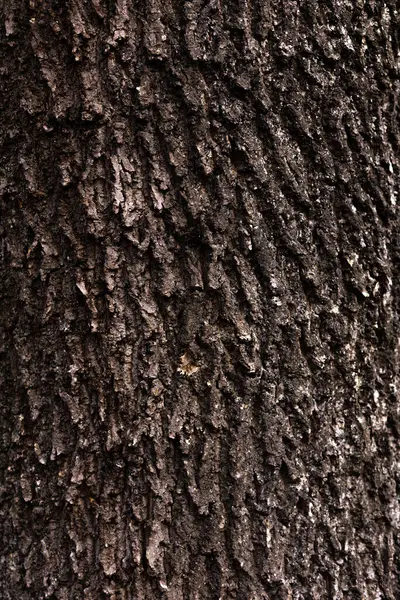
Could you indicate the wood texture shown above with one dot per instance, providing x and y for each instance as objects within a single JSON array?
[{"x": 199, "y": 299}]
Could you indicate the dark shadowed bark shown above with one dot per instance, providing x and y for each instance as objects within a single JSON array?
[{"x": 199, "y": 299}]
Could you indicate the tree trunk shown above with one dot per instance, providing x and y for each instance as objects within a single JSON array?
[{"x": 200, "y": 283}]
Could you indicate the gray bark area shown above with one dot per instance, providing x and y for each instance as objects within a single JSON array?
[{"x": 199, "y": 299}]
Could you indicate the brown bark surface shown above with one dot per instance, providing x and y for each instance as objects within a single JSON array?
[{"x": 199, "y": 299}]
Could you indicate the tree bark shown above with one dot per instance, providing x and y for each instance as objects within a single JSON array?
[{"x": 199, "y": 288}]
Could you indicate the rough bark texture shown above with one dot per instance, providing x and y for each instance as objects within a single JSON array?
[{"x": 199, "y": 288}]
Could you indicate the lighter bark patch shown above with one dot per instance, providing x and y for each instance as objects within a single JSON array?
[{"x": 187, "y": 367}]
